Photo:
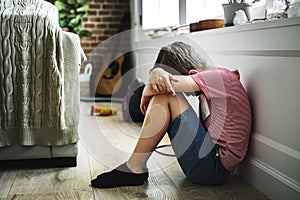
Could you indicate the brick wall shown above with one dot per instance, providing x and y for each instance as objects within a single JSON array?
[{"x": 103, "y": 20}]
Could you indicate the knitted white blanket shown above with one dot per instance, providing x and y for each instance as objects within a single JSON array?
[{"x": 39, "y": 98}]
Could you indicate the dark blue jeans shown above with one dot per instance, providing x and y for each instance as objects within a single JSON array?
[{"x": 196, "y": 153}]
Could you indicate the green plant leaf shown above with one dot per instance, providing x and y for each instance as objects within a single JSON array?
[
  {"x": 83, "y": 8},
  {"x": 71, "y": 14},
  {"x": 60, "y": 5},
  {"x": 70, "y": 1},
  {"x": 84, "y": 33},
  {"x": 74, "y": 22},
  {"x": 83, "y": 1}
]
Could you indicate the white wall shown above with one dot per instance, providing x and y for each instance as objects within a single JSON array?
[{"x": 268, "y": 58}]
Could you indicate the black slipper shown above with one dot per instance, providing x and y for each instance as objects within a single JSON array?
[{"x": 121, "y": 176}]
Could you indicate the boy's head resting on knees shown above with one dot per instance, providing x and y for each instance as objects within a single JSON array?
[{"x": 180, "y": 58}]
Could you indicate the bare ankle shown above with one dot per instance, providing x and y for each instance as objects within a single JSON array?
[{"x": 134, "y": 169}]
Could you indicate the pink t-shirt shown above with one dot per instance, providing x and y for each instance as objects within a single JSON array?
[{"x": 229, "y": 122}]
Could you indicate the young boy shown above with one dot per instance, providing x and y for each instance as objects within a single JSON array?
[{"x": 207, "y": 147}]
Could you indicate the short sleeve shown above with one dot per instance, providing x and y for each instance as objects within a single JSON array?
[{"x": 212, "y": 83}]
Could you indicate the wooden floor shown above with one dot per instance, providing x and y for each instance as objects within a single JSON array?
[{"x": 166, "y": 179}]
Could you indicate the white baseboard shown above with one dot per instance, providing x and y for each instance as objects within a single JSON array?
[{"x": 268, "y": 180}]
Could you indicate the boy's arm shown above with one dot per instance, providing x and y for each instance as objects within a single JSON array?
[
  {"x": 185, "y": 83},
  {"x": 161, "y": 81}
]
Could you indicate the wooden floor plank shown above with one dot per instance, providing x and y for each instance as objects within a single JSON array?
[
  {"x": 53, "y": 180},
  {"x": 74, "y": 195},
  {"x": 7, "y": 179},
  {"x": 233, "y": 188}
]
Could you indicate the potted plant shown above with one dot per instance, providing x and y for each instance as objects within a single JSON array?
[
  {"x": 234, "y": 5},
  {"x": 71, "y": 14}
]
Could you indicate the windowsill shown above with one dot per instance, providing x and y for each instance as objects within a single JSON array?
[
  {"x": 256, "y": 26},
  {"x": 235, "y": 29}
]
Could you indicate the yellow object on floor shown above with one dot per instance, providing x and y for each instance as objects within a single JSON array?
[{"x": 103, "y": 111}]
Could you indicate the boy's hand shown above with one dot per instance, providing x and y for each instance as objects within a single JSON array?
[
  {"x": 160, "y": 81},
  {"x": 148, "y": 92},
  {"x": 144, "y": 104}
]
